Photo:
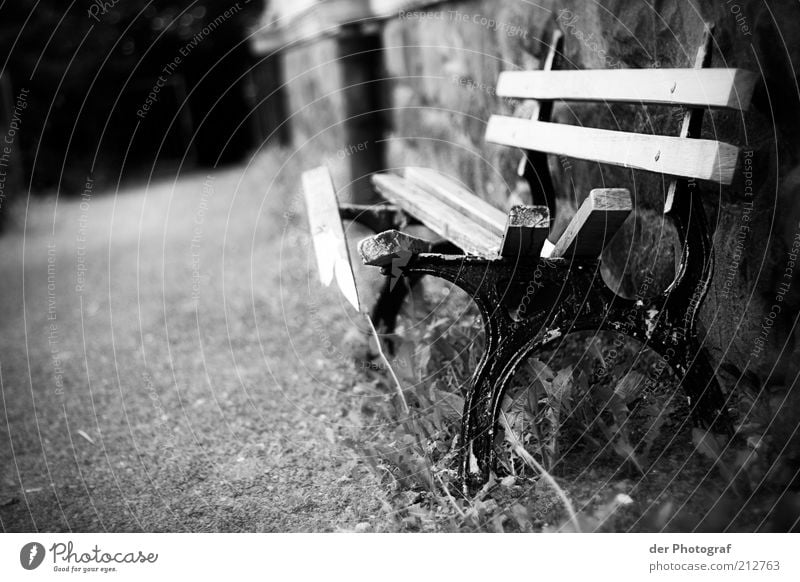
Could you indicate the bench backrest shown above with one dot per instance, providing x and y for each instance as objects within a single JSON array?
[
  {"x": 683, "y": 157},
  {"x": 479, "y": 229}
]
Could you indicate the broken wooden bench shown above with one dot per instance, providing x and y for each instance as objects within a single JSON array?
[{"x": 532, "y": 291}]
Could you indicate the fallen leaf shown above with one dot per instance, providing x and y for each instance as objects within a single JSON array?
[{"x": 85, "y": 436}]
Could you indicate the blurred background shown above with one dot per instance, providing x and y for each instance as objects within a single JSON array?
[{"x": 90, "y": 66}]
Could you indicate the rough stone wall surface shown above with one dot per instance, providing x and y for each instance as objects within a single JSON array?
[
  {"x": 444, "y": 64},
  {"x": 314, "y": 96}
]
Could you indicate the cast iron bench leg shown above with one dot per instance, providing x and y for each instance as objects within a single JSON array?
[
  {"x": 390, "y": 302},
  {"x": 569, "y": 298},
  {"x": 707, "y": 401},
  {"x": 396, "y": 287}
]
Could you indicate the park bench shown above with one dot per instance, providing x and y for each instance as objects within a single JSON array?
[{"x": 532, "y": 291}]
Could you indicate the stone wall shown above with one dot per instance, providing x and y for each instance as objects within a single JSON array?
[
  {"x": 314, "y": 97},
  {"x": 337, "y": 110}
]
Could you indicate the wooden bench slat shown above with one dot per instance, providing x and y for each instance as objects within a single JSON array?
[
  {"x": 523, "y": 230},
  {"x": 471, "y": 237},
  {"x": 598, "y": 219},
  {"x": 526, "y": 230},
  {"x": 687, "y": 158},
  {"x": 457, "y": 196},
  {"x": 728, "y": 88}
]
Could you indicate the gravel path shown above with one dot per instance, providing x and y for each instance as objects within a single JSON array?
[{"x": 192, "y": 383}]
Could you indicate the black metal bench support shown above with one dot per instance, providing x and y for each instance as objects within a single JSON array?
[
  {"x": 562, "y": 296},
  {"x": 528, "y": 304}
]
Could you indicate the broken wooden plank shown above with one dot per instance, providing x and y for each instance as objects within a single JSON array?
[
  {"x": 468, "y": 235},
  {"x": 598, "y": 219},
  {"x": 391, "y": 245},
  {"x": 702, "y": 159},
  {"x": 458, "y": 197},
  {"x": 718, "y": 88},
  {"x": 330, "y": 246},
  {"x": 526, "y": 230}
]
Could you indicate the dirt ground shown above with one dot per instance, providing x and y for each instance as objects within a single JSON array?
[{"x": 170, "y": 363}]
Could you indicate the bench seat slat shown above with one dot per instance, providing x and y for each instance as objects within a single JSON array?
[
  {"x": 727, "y": 88},
  {"x": 686, "y": 158},
  {"x": 465, "y": 233},
  {"x": 458, "y": 197}
]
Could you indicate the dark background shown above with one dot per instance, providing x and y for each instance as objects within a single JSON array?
[{"x": 86, "y": 80}]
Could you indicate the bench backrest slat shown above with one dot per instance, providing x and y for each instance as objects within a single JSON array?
[
  {"x": 726, "y": 88},
  {"x": 686, "y": 158}
]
